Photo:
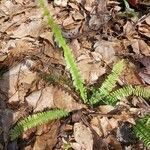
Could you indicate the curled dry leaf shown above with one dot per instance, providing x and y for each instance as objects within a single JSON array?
[
  {"x": 52, "y": 97},
  {"x": 83, "y": 136}
]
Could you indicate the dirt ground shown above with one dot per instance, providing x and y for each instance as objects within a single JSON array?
[{"x": 34, "y": 76}]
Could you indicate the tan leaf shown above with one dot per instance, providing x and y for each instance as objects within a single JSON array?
[
  {"x": 106, "y": 50},
  {"x": 62, "y": 3},
  {"x": 19, "y": 78},
  {"x": 28, "y": 29},
  {"x": 48, "y": 137},
  {"x": 52, "y": 97},
  {"x": 83, "y": 136}
]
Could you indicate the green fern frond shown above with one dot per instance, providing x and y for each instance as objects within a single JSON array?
[
  {"x": 36, "y": 119},
  {"x": 141, "y": 92},
  {"x": 69, "y": 58},
  {"x": 126, "y": 91},
  {"x": 142, "y": 131},
  {"x": 113, "y": 97},
  {"x": 108, "y": 84}
]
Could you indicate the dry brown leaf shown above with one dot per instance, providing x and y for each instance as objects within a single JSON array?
[
  {"x": 28, "y": 29},
  {"x": 125, "y": 117},
  {"x": 95, "y": 125},
  {"x": 144, "y": 27},
  {"x": 52, "y": 97},
  {"x": 48, "y": 136},
  {"x": 105, "y": 126},
  {"x": 140, "y": 47},
  {"x": 145, "y": 76},
  {"x": 104, "y": 109},
  {"x": 48, "y": 36},
  {"x": 130, "y": 75},
  {"x": 62, "y": 3},
  {"x": 114, "y": 142},
  {"x": 77, "y": 16},
  {"x": 106, "y": 50},
  {"x": 68, "y": 21},
  {"x": 129, "y": 29},
  {"x": 83, "y": 136},
  {"x": 145, "y": 72},
  {"x": 89, "y": 5},
  {"x": 90, "y": 70},
  {"x": 76, "y": 146},
  {"x": 99, "y": 16},
  {"x": 71, "y": 31},
  {"x": 73, "y": 5},
  {"x": 19, "y": 78}
]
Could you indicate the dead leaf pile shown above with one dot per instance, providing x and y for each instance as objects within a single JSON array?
[{"x": 97, "y": 36}]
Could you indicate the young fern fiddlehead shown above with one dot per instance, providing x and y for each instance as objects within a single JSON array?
[
  {"x": 69, "y": 58},
  {"x": 35, "y": 120}
]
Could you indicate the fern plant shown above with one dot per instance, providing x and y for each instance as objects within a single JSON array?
[
  {"x": 108, "y": 84},
  {"x": 127, "y": 91},
  {"x": 36, "y": 119},
  {"x": 104, "y": 94},
  {"x": 142, "y": 130},
  {"x": 69, "y": 58}
]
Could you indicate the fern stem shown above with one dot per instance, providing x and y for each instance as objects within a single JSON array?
[
  {"x": 36, "y": 119},
  {"x": 69, "y": 58}
]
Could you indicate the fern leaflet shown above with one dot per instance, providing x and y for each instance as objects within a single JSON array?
[
  {"x": 126, "y": 91},
  {"x": 69, "y": 58},
  {"x": 35, "y": 120},
  {"x": 113, "y": 97},
  {"x": 142, "y": 131},
  {"x": 108, "y": 84}
]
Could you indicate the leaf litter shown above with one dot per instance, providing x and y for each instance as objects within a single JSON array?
[{"x": 97, "y": 36}]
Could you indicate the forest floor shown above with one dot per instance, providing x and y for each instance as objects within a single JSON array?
[{"x": 34, "y": 76}]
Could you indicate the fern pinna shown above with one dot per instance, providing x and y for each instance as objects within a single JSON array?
[
  {"x": 127, "y": 91},
  {"x": 142, "y": 130},
  {"x": 107, "y": 96},
  {"x": 36, "y": 119},
  {"x": 69, "y": 58},
  {"x": 108, "y": 84}
]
